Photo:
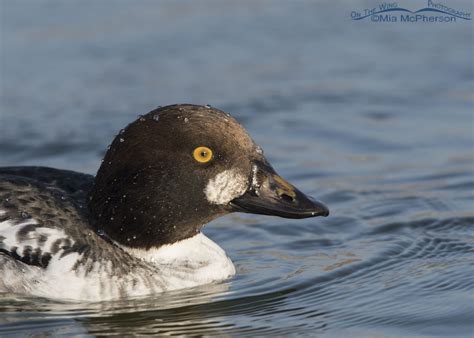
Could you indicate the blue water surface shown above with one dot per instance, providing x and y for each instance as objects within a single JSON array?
[{"x": 375, "y": 119}]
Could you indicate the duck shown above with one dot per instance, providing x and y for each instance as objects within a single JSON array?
[{"x": 135, "y": 229}]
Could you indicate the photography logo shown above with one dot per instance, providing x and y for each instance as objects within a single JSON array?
[{"x": 434, "y": 12}]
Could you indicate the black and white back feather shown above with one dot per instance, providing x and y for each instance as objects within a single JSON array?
[{"x": 44, "y": 220}]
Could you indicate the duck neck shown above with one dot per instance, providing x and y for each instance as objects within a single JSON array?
[{"x": 135, "y": 209}]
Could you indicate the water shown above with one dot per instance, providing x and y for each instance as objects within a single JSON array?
[{"x": 374, "y": 119}]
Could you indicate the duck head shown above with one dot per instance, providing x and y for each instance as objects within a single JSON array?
[{"x": 178, "y": 167}]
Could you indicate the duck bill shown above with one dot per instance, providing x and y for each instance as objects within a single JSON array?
[{"x": 270, "y": 194}]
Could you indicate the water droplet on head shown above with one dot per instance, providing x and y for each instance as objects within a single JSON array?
[{"x": 156, "y": 117}]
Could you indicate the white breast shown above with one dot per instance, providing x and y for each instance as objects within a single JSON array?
[{"x": 190, "y": 262}]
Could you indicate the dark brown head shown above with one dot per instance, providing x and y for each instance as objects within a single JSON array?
[{"x": 177, "y": 168}]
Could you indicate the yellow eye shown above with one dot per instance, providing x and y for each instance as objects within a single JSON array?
[{"x": 202, "y": 154}]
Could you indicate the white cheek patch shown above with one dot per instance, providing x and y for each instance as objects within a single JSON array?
[{"x": 226, "y": 186}]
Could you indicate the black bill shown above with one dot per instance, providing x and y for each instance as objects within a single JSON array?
[{"x": 270, "y": 194}]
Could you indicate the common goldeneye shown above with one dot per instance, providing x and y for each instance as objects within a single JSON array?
[{"x": 135, "y": 228}]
